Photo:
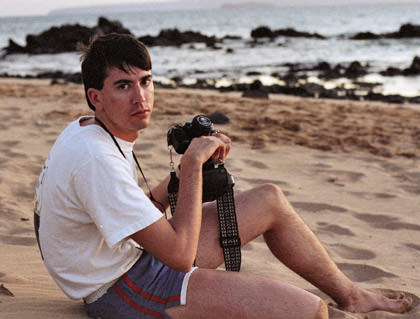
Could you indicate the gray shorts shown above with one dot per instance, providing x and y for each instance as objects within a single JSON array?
[{"x": 145, "y": 291}]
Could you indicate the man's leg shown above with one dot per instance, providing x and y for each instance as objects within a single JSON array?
[
  {"x": 266, "y": 211},
  {"x": 217, "y": 294}
]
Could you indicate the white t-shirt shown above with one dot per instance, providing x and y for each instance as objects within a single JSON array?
[{"x": 90, "y": 202}]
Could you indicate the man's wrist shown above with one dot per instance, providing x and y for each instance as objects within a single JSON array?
[{"x": 190, "y": 164}]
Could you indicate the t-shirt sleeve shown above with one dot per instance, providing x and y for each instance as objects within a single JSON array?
[{"x": 111, "y": 196}]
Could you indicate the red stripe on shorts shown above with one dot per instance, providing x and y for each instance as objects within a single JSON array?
[
  {"x": 134, "y": 305},
  {"x": 147, "y": 295}
]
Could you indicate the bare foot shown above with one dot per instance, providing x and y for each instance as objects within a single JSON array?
[{"x": 365, "y": 301}]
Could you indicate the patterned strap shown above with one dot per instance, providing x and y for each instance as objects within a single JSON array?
[
  {"x": 228, "y": 226},
  {"x": 229, "y": 234}
]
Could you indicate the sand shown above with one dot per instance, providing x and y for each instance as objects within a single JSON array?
[{"x": 351, "y": 169}]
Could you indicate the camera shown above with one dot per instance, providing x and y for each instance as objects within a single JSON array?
[
  {"x": 180, "y": 136},
  {"x": 216, "y": 179}
]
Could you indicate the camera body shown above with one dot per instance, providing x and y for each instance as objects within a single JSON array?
[
  {"x": 216, "y": 179},
  {"x": 180, "y": 136}
]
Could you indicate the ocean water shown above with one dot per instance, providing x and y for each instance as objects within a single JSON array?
[{"x": 337, "y": 23}]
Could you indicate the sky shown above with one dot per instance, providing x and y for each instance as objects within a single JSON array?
[{"x": 42, "y": 7}]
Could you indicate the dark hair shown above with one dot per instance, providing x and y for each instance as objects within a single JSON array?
[{"x": 108, "y": 51}]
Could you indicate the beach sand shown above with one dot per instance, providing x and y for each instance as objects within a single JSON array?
[{"x": 351, "y": 169}]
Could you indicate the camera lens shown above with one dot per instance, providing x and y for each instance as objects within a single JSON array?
[{"x": 201, "y": 125}]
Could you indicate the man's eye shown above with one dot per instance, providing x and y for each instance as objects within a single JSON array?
[
  {"x": 146, "y": 81},
  {"x": 123, "y": 86}
]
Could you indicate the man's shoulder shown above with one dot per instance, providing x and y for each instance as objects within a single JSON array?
[{"x": 82, "y": 141}]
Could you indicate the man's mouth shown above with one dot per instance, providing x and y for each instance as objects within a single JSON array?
[{"x": 141, "y": 112}]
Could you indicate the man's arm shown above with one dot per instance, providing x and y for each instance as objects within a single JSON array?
[
  {"x": 175, "y": 243},
  {"x": 160, "y": 194}
]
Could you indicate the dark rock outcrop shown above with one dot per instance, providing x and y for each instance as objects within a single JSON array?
[
  {"x": 64, "y": 38},
  {"x": 265, "y": 32},
  {"x": 355, "y": 69},
  {"x": 262, "y": 32},
  {"x": 256, "y": 90},
  {"x": 413, "y": 69},
  {"x": 219, "y": 118},
  {"x": 174, "y": 37},
  {"x": 365, "y": 36},
  {"x": 407, "y": 30}
]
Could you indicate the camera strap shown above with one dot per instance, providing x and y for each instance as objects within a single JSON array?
[
  {"x": 228, "y": 226},
  {"x": 135, "y": 160}
]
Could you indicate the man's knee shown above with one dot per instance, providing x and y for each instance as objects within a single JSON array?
[
  {"x": 322, "y": 312},
  {"x": 272, "y": 195}
]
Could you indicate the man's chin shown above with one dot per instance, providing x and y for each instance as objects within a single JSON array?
[{"x": 141, "y": 125}]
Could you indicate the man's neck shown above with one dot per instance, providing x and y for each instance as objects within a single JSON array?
[{"x": 111, "y": 129}]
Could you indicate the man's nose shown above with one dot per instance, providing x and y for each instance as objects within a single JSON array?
[{"x": 139, "y": 94}]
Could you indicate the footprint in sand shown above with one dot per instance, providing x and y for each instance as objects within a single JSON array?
[
  {"x": 412, "y": 246},
  {"x": 348, "y": 175},
  {"x": 413, "y": 189},
  {"x": 409, "y": 181},
  {"x": 363, "y": 272},
  {"x": 260, "y": 181},
  {"x": 23, "y": 191},
  {"x": 368, "y": 195},
  {"x": 256, "y": 164},
  {"x": 343, "y": 175},
  {"x": 56, "y": 114},
  {"x": 349, "y": 252},
  {"x": 10, "y": 143},
  {"x": 317, "y": 207},
  {"x": 12, "y": 154},
  {"x": 386, "y": 222},
  {"x": 335, "y": 229},
  {"x": 18, "y": 240}
]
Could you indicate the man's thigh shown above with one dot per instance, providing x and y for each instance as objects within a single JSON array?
[
  {"x": 216, "y": 294},
  {"x": 254, "y": 216}
]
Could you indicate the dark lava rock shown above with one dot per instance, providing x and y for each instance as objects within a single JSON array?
[
  {"x": 355, "y": 69},
  {"x": 256, "y": 90},
  {"x": 64, "y": 38},
  {"x": 174, "y": 37},
  {"x": 218, "y": 118},
  {"x": 266, "y": 32}
]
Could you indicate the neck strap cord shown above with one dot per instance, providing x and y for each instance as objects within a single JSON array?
[{"x": 137, "y": 163}]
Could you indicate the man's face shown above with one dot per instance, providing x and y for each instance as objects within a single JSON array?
[{"x": 125, "y": 102}]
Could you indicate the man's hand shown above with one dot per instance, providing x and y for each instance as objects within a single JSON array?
[
  {"x": 216, "y": 146},
  {"x": 175, "y": 242}
]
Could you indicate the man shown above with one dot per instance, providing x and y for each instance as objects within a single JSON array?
[{"x": 105, "y": 241}]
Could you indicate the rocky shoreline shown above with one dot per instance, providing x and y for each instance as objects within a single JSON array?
[{"x": 65, "y": 38}]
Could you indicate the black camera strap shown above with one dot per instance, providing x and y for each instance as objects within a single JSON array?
[
  {"x": 229, "y": 234},
  {"x": 135, "y": 160},
  {"x": 228, "y": 226}
]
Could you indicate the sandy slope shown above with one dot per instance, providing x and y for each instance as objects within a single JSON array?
[{"x": 351, "y": 169}]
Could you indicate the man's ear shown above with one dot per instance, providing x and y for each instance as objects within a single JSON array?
[{"x": 94, "y": 97}]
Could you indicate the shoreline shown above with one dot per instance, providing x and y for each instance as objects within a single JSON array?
[
  {"x": 356, "y": 78},
  {"x": 256, "y": 84}
]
